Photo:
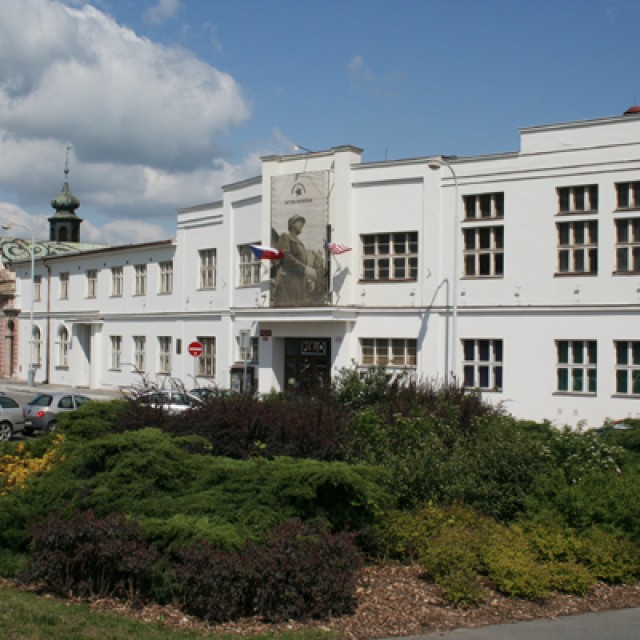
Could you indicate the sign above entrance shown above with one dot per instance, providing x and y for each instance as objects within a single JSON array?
[
  {"x": 195, "y": 349},
  {"x": 313, "y": 347}
]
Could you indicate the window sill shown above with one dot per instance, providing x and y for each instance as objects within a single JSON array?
[
  {"x": 574, "y": 274},
  {"x": 62, "y": 367},
  {"x": 626, "y": 396},
  {"x": 584, "y": 212},
  {"x": 574, "y": 394},
  {"x": 500, "y": 277},
  {"x": 625, "y": 273},
  {"x": 387, "y": 281}
]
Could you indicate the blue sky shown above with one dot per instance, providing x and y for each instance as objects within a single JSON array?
[{"x": 165, "y": 101}]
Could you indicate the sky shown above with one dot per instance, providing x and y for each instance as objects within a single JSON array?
[{"x": 160, "y": 103}]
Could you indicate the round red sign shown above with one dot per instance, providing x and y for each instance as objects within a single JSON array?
[{"x": 195, "y": 349}]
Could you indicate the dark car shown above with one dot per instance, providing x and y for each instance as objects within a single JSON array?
[
  {"x": 11, "y": 417},
  {"x": 41, "y": 413}
]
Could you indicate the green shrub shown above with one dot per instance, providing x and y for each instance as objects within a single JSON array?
[
  {"x": 11, "y": 563},
  {"x": 609, "y": 556}
]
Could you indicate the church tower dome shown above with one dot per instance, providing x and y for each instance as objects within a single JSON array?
[{"x": 64, "y": 224}]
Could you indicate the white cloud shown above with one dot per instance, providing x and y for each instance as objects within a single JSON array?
[
  {"x": 145, "y": 121},
  {"x": 75, "y": 75},
  {"x": 360, "y": 75},
  {"x": 162, "y": 10}
]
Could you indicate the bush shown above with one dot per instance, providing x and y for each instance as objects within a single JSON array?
[
  {"x": 88, "y": 556},
  {"x": 297, "y": 573}
]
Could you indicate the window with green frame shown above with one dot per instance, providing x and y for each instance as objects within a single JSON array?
[
  {"x": 628, "y": 367},
  {"x": 577, "y": 366}
]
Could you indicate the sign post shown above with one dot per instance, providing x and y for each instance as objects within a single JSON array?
[{"x": 195, "y": 349}]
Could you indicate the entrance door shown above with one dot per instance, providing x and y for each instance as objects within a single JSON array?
[
  {"x": 83, "y": 373},
  {"x": 307, "y": 363}
]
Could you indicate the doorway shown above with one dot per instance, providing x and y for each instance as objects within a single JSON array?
[{"x": 307, "y": 363}]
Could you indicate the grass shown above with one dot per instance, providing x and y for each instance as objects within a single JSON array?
[{"x": 26, "y": 616}]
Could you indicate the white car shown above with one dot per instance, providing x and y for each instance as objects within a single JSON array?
[
  {"x": 11, "y": 417},
  {"x": 170, "y": 400}
]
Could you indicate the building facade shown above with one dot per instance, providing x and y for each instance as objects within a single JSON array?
[{"x": 516, "y": 274}]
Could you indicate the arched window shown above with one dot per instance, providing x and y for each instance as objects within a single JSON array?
[
  {"x": 36, "y": 347},
  {"x": 63, "y": 347}
]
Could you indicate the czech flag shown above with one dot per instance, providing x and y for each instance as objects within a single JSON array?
[{"x": 266, "y": 253}]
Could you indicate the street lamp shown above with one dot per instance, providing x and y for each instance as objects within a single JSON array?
[
  {"x": 436, "y": 164},
  {"x": 30, "y": 371}
]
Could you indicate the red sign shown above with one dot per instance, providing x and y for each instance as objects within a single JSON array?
[{"x": 195, "y": 349}]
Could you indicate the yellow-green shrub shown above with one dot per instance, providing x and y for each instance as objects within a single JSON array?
[{"x": 17, "y": 468}]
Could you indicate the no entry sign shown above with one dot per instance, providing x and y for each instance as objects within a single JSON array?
[{"x": 195, "y": 349}]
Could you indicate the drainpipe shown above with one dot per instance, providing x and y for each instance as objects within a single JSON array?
[{"x": 48, "y": 324}]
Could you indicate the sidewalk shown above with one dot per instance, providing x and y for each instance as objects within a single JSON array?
[{"x": 10, "y": 385}]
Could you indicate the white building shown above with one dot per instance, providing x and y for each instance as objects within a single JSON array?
[{"x": 515, "y": 273}]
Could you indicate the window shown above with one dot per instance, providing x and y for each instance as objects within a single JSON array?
[
  {"x": 249, "y": 273},
  {"x": 581, "y": 199},
  {"x": 166, "y": 277},
  {"x": 578, "y": 247},
  {"x": 485, "y": 205},
  {"x": 388, "y": 352},
  {"x": 37, "y": 288},
  {"x": 63, "y": 347},
  {"x": 483, "y": 251},
  {"x": 164, "y": 354},
  {"x": 207, "y": 361},
  {"x": 140, "y": 286},
  {"x": 92, "y": 283},
  {"x": 252, "y": 355},
  {"x": 64, "y": 286},
  {"x": 139, "y": 346},
  {"x": 482, "y": 364},
  {"x": 628, "y": 245},
  {"x": 576, "y": 369},
  {"x": 116, "y": 282},
  {"x": 207, "y": 269},
  {"x": 628, "y": 367},
  {"x": 116, "y": 352},
  {"x": 390, "y": 256},
  {"x": 36, "y": 347},
  {"x": 628, "y": 195}
]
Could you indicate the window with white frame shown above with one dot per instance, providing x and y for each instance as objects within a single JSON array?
[
  {"x": 482, "y": 365},
  {"x": 388, "y": 352},
  {"x": 581, "y": 199},
  {"x": 166, "y": 277},
  {"x": 390, "y": 256},
  {"x": 249, "y": 267},
  {"x": 483, "y": 251},
  {"x": 36, "y": 347},
  {"x": 63, "y": 347},
  {"x": 140, "y": 284},
  {"x": 628, "y": 195},
  {"x": 116, "y": 352},
  {"x": 64, "y": 285},
  {"x": 92, "y": 283},
  {"x": 37, "y": 288},
  {"x": 116, "y": 281},
  {"x": 628, "y": 367},
  {"x": 483, "y": 205},
  {"x": 207, "y": 268},
  {"x": 578, "y": 247},
  {"x": 164, "y": 354},
  {"x": 207, "y": 361},
  {"x": 628, "y": 245},
  {"x": 139, "y": 353},
  {"x": 252, "y": 352},
  {"x": 577, "y": 366}
]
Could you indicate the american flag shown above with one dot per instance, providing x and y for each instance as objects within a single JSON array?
[{"x": 335, "y": 248}]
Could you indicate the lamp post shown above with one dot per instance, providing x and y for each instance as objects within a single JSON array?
[
  {"x": 30, "y": 371},
  {"x": 436, "y": 164}
]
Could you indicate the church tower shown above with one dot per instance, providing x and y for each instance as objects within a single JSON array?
[{"x": 64, "y": 224}]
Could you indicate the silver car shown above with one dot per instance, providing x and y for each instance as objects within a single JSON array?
[
  {"x": 11, "y": 417},
  {"x": 41, "y": 413}
]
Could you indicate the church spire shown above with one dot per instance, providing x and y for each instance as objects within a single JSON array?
[{"x": 64, "y": 225}]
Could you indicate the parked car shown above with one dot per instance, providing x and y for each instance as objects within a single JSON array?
[
  {"x": 11, "y": 417},
  {"x": 41, "y": 413},
  {"x": 205, "y": 393},
  {"x": 170, "y": 400}
]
